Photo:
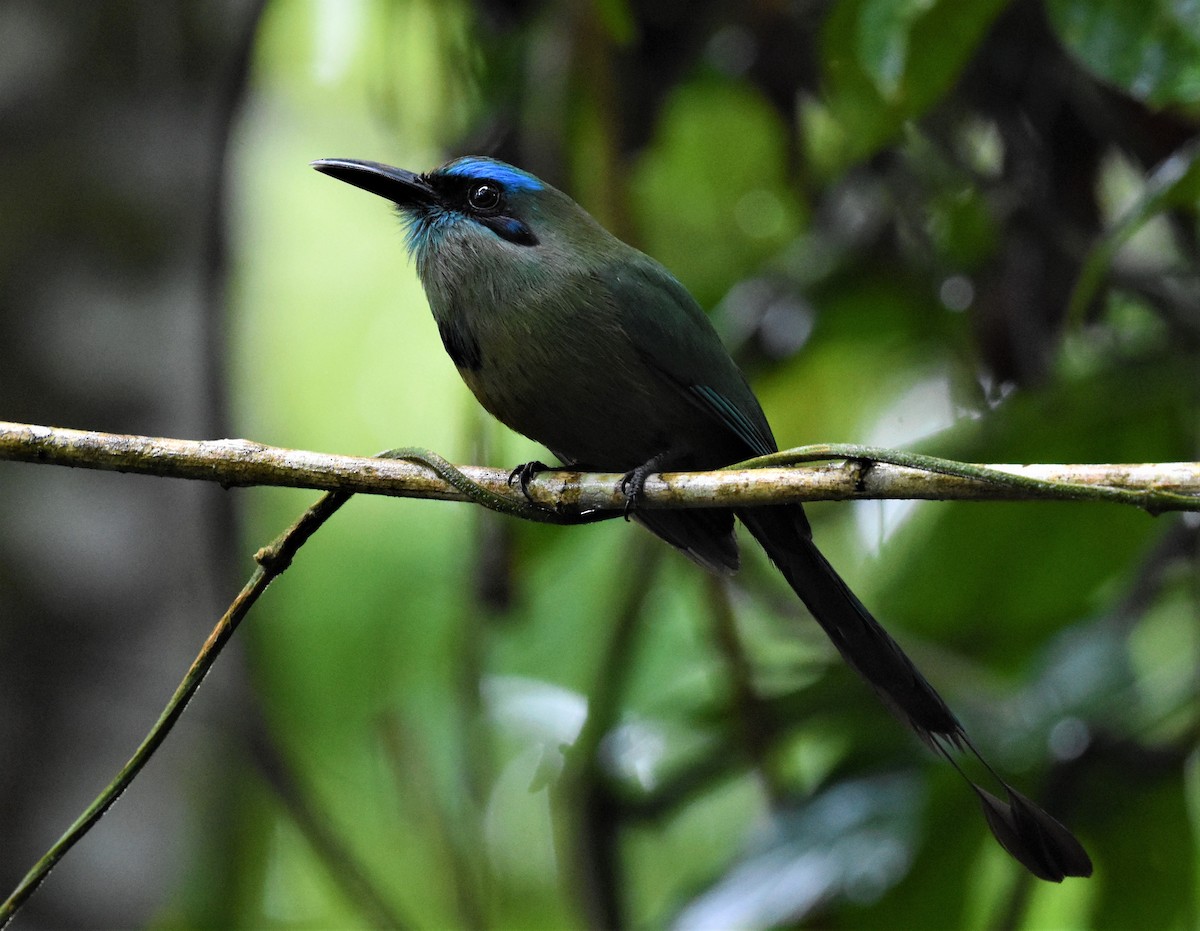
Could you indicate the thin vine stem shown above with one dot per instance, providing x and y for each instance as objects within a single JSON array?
[{"x": 272, "y": 560}]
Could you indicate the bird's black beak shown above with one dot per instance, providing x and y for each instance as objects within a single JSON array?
[{"x": 399, "y": 186}]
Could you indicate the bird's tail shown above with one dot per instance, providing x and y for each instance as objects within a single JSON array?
[{"x": 1033, "y": 837}]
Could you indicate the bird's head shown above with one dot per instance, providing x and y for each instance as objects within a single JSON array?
[{"x": 477, "y": 213}]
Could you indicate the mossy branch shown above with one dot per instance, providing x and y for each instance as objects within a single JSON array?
[{"x": 850, "y": 472}]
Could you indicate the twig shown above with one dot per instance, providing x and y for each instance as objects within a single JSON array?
[
  {"x": 594, "y": 848},
  {"x": 752, "y": 724},
  {"x": 339, "y": 859}
]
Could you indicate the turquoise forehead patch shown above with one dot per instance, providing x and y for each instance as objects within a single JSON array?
[{"x": 514, "y": 179}]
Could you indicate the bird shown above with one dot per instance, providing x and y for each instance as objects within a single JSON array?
[{"x": 583, "y": 343}]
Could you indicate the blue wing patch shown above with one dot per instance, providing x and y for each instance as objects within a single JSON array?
[{"x": 749, "y": 432}]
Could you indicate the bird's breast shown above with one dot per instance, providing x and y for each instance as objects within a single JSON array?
[{"x": 562, "y": 372}]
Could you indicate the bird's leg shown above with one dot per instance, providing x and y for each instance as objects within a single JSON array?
[
  {"x": 524, "y": 474},
  {"x": 633, "y": 482}
]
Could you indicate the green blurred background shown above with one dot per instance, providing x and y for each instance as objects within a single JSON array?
[{"x": 962, "y": 226}]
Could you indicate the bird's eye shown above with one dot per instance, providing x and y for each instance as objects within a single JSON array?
[{"x": 484, "y": 196}]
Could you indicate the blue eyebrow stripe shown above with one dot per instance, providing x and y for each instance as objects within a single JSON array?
[{"x": 512, "y": 178}]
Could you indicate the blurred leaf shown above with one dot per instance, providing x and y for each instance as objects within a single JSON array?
[
  {"x": 617, "y": 19},
  {"x": 1146, "y": 857},
  {"x": 950, "y": 836},
  {"x": 1174, "y": 183},
  {"x": 886, "y": 62},
  {"x": 998, "y": 578},
  {"x": 1151, "y": 48},
  {"x": 673, "y": 856},
  {"x": 710, "y": 211},
  {"x": 883, "y": 36},
  {"x": 1164, "y": 650},
  {"x": 853, "y": 839}
]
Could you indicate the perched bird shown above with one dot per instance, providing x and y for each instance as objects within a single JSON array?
[{"x": 592, "y": 348}]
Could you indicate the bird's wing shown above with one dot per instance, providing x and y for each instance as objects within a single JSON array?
[{"x": 675, "y": 338}]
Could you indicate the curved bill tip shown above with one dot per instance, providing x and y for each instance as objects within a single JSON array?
[{"x": 402, "y": 187}]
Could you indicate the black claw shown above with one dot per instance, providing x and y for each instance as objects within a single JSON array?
[{"x": 524, "y": 474}]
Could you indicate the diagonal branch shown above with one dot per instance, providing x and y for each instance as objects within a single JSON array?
[
  {"x": 863, "y": 472},
  {"x": 272, "y": 560}
]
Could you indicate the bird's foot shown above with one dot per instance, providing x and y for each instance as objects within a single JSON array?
[
  {"x": 633, "y": 483},
  {"x": 524, "y": 474}
]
